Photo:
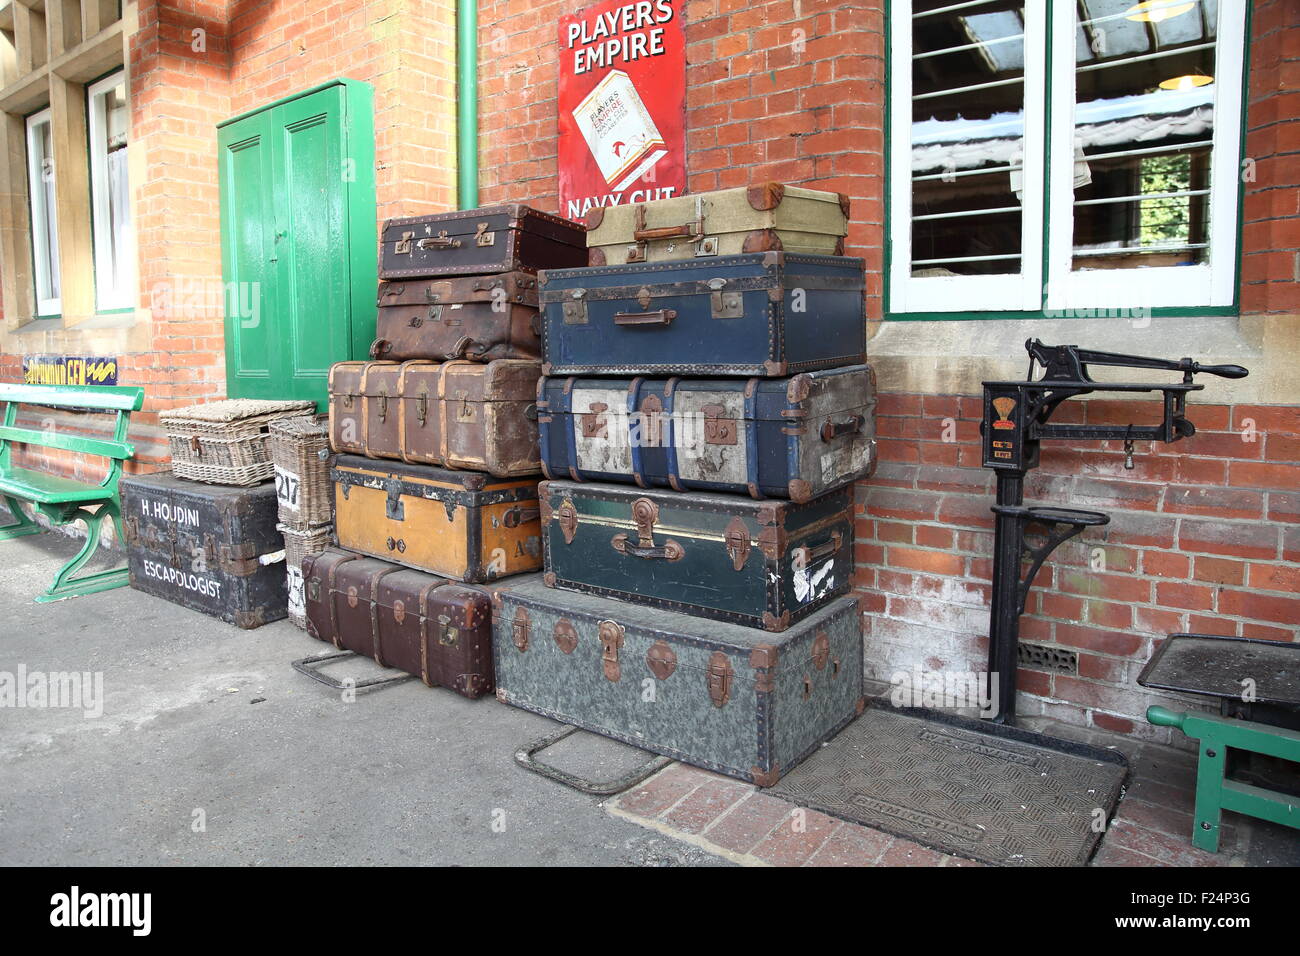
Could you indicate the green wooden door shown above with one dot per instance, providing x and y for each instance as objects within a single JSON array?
[{"x": 297, "y": 241}]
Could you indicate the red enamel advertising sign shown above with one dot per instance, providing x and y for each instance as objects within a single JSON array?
[{"x": 622, "y": 105}]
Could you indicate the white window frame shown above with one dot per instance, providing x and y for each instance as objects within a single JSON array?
[
  {"x": 107, "y": 294},
  {"x": 46, "y": 306},
  {"x": 1050, "y": 193},
  {"x": 1206, "y": 284}
]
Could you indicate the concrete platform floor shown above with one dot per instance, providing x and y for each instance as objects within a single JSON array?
[{"x": 211, "y": 750}]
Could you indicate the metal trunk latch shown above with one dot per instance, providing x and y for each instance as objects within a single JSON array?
[
  {"x": 482, "y": 237},
  {"x": 574, "y": 308},
  {"x": 725, "y": 305},
  {"x": 718, "y": 430},
  {"x": 520, "y": 628},
  {"x": 567, "y": 517},
  {"x": 394, "y": 507},
  {"x": 736, "y": 541},
  {"x": 382, "y": 398},
  {"x": 611, "y": 642},
  {"x": 422, "y": 408},
  {"x": 719, "y": 678},
  {"x": 403, "y": 247}
]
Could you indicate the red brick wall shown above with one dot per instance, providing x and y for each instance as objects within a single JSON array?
[
  {"x": 1270, "y": 264},
  {"x": 1204, "y": 536},
  {"x": 784, "y": 90}
]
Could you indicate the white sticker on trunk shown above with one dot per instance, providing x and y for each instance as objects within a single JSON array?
[
  {"x": 709, "y": 434},
  {"x": 812, "y": 583},
  {"x": 600, "y": 430}
]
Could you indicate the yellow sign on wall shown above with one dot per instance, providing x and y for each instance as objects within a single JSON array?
[{"x": 68, "y": 370}]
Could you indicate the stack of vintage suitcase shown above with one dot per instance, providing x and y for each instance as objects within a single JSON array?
[
  {"x": 704, "y": 410},
  {"x": 204, "y": 535},
  {"x": 436, "y": 478}
]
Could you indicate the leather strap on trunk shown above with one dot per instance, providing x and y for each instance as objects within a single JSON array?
[
  {"x": 424, "y": 631},
  {"x": 331, "y": 592},
  {"x": 374, "y": 613},
  {"x": 444, "y": 439}
]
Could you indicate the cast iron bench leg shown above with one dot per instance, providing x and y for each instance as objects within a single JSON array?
[
  {"x": 22, "y": 524},
  {"x": 65, "y": 585}
]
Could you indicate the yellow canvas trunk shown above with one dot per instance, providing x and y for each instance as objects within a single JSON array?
[{"x": 459, "y": 524}]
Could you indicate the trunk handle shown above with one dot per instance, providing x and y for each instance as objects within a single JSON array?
[
  {"x": 688, "y": 230},
  {"x": 440, "y": 241},
  {"x": 668, "y": 551},
  {"x": 659, "y": 318},
  {"x": 517, "y": 516},
  {"x": 803, "y": 557},
  {"x": 833, "y": 430}
]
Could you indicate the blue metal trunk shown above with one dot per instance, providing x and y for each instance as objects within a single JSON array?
[
  {"x": 766, "y": 314},
  {"x": 793, "y": 438}
]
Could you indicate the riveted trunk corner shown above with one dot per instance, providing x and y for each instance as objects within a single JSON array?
[{"x": 713, "y": 695}]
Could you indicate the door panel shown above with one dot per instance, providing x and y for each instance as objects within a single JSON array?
[
  {"x": 249, "y": 275},
  {"x": 313, "y": 251},
  {"x": 286, "y": 216}
]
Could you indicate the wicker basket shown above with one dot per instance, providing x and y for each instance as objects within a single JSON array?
[
  {"x": 225, "y": 443},
  {"x": 297, "y": 545},
  {"x": 300, "y": 453}
]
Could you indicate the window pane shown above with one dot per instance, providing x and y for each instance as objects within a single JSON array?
[
  {"x": 109, "y": 123},
  {"x": 1144, "y": 121},
  {"x": 968, "y": 103},
  {"x": 45, "y": 231}
]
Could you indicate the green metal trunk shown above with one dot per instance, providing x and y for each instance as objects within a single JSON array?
[
  {"x": 730, "y": 699},
  {"x": 764, "y": 564}
]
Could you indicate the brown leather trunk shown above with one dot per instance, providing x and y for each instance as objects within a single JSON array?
[
  {"x": 483, "y": 241},
  {"x": 436, "y": 629},
  {"x": 480, "y": 318},
  {"x": 457, "y": 414}
]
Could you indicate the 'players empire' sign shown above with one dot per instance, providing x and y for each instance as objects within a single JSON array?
[{"x": 622, "y": 105}]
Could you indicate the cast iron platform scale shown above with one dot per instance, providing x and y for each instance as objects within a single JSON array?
[{"x": 1016, "y": 420}]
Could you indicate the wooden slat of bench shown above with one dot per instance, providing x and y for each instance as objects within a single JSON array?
[
  {"x": 68, "y": 442},
  {"x": 124, "y": 398},
  {"x": 53, "y": 489}
]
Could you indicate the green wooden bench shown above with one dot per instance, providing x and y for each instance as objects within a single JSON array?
[
  {"x": 64, "y": 500},
  {"x": 1214, "y": 791}
]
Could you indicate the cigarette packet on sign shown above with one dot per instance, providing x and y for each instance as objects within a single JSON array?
[{"x": 619, "y": 131}]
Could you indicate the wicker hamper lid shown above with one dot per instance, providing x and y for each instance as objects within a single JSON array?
[
  {"x": 300, "y": 426},
  {"x": 235, "y": 409}
]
